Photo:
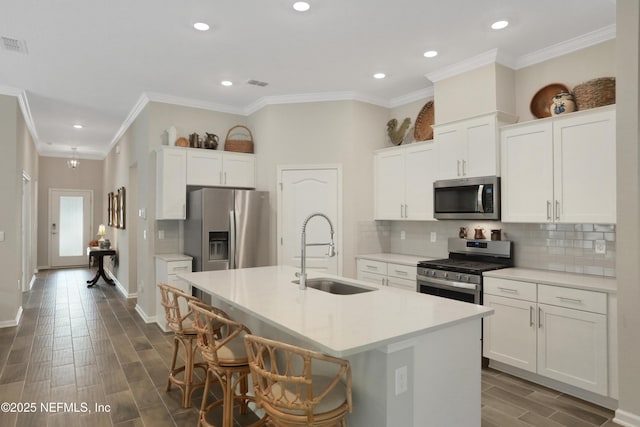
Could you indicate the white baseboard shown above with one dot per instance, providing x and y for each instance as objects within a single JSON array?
[
  {"x": 121, "y": 288},
  {"x": 33, "y": 280},
  {"x": 626, "y": 419},
  {"x": 12, "y": 323},
  {"x": 143, "y": 315}
]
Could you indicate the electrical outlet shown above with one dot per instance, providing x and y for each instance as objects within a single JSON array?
[
  {"x": 401, "y": 380},
  {"x": 403, "y": 235},
  {"x": 433, "y": 237},
  {"x": 601, "y": 247},
  {"x": 160, "y": 234}
]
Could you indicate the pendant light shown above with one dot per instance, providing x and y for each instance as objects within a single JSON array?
[{"x": 74, "y": 161}]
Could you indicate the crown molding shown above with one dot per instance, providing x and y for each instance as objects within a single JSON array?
[
  {"x": 461, "y": 67},
  {"x": 44, "y": 151},
  {"x": 313, "y": 97},
  {"x": 193, "y": 103},
  {"x": 412, "y": 97},
  {"x": 567, "y": 46},
  {"x": 23, "y": 102},
  {"x": 131, "y": 117}
]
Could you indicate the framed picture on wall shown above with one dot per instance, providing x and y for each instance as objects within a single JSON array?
[
  {"x": 110, "y": 209},
  {"x": 121, "y": 207},
  {"x": 116, "y": 210}
]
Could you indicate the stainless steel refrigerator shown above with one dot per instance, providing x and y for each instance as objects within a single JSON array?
[{"x": 227, "y": 229}]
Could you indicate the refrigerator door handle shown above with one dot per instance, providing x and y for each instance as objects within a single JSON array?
[{"x": 232, "y": 240}]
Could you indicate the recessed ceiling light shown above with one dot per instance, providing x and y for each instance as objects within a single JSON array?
[
  {"x": 301, "y": 6},
  {"x": 498, "y": 25},
  {"x": 226, "y": 83},
  {"x": 78, "y": 126},
  {"x": 430, "y": 54},
  {"x": 201, "y": 26},
  {"x": 379, "y": 75}
]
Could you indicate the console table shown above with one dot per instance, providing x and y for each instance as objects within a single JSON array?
[{"x": 99, "y": 254}]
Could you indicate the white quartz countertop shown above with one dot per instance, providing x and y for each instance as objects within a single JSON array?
[
  {"x": 340, "y": 325},
  {"x": 572, "y": 280},
  {"x": 395, "y": 258}
]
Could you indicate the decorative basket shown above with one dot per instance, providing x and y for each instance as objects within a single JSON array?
[
  {"x": 595, "y": 93},
  {"x": 239, "y": 145}
]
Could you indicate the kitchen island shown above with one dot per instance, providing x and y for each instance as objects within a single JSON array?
[{"x": 416, "y": 359}]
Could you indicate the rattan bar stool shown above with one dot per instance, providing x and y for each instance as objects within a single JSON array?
[
  {"x": 287, "y": 388},
  {"x": 220, "y": 340},
  {"x": 178, "y": 315}
]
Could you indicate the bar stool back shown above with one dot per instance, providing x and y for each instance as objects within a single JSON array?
[
  {"x": 178, "y": 316},
  {"x": 287, "y": 388},
  {"x": 220, "y": 340}
]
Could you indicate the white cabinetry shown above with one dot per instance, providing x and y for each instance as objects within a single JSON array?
[
  {"x": 220, "y": 169},
  {"x": 554, "y": 331},
  {"x": 469, "y": 147},
  {"x": 178, "y": 167},
  {"x": 167, "y": 266},
  {"x": 171, "y": 183},
  {"x": 404, "y": 182},
  {"x": 561, "y": 169},
  {"x": 387, "y": 274}
]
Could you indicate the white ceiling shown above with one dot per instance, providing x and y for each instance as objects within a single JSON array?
[{"x": 90, "y": 62}]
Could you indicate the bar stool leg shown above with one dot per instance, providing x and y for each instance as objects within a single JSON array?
[{"x": 173, "y": 361}]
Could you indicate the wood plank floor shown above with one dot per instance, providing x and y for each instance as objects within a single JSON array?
[{"x": 89, "y": 346}]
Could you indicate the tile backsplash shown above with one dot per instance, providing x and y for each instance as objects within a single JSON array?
[{"x": 557, "y": 247}]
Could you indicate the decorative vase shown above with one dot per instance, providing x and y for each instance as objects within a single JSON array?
[{"x": 562, "y": 103}]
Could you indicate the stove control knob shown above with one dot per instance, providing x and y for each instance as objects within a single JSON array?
[
  {"x": 458, "y": 276},
  {"x": 465, "y": 278},
  {"x": 445, "y": 275},
  {"x": 433, "y": 273}
]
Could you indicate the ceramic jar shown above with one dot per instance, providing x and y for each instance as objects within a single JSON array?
[{"x": 562, "y": 103}]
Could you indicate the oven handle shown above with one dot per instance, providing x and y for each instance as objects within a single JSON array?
[{"x": 448, "y": 283}]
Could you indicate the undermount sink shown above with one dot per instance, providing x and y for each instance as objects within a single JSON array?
[{"x": 334, "y": 286}]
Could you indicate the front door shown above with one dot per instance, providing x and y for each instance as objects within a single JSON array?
[
  {"x": 304, "y": 191},
  {"x": 70, "y": 214}
]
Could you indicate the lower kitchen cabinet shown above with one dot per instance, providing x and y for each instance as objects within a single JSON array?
[
  {"x": 553, "y": 331},
  {"x": 167, "y": 268},
  {"x": 388, "y": 274}
]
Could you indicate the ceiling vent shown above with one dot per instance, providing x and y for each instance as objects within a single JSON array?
[
  {"x": 257, "y": 83},
  {"x": 14, "y": 45}
]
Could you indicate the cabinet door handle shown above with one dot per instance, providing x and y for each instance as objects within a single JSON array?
[
  {"x": 458, "y": 167},
  {"x": 184, "y": 210},
  {"x": 557, "y": 210},
  {"x": 221, "y": 182},
  {"x": 509, "y": 290},
  {"x": 464, "y": 164},
  {"x": 539, "y": 317},
  {"x": 382, "y": 281},
  {"x": 401, "y": 272},
  {"x": 530, "y": 315},
  {"x": 406, "y": 215},
  {"x": 372, "y": 267},
  {"x": 573, "y": 300},
  {"x": 549, "y": 210},
  {"x": 225, "y": 178}
]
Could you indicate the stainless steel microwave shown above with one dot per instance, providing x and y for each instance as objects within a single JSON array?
[{"x": 467, "y": 198}]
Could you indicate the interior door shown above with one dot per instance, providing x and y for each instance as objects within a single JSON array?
[
  {"x": 70, "y": 214},
  {"x": 303, "y": 192}
]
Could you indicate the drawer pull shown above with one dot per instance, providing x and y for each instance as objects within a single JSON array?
[
  {"x": 181, "y": 268},
  {"x": 372, "y": 267},
  {"x": 573, "y": 300},
  {"x": 401, "y": 272},
  {"x": 539, "y": 317},
  {"x": 509, "y": 290}
]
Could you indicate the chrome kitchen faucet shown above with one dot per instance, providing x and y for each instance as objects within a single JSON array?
[{"x": 303, "y": 249}]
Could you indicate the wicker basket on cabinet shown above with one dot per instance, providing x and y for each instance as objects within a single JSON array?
[{"x": 239, "y": 145}]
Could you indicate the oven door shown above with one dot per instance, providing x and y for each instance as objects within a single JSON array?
[{"x": 467, "y": 292}]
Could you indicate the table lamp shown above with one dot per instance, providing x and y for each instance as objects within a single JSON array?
[{"x": 102, "y": 231}]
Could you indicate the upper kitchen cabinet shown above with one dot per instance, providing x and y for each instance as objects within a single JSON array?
[
  {"x": 220, "y": 169},
  {"x": 404, "y": 182},
  {"x": 171, "y": 183},
  {"x": 469, "y": 148},
  {"x": 178, "y": 167},
  {"x": 560, "y": 169}
]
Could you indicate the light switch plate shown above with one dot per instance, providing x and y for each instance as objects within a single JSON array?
[
  {"x": 403, "y": 235},
  {"x": 434, "y": 237},
  {"x": 401, "y": 380},
  {"x": 601, "y": 247}
]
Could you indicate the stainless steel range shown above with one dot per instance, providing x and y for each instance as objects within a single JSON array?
[{"x": 459, "y": 277}]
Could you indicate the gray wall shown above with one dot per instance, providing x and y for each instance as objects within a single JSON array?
[
  {"x": 54, "y": 173},
  {"x": 628, "y": 173}
]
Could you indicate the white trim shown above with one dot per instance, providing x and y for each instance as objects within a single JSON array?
[
  {"x": 313, "y": 97},
  {"x": 469, "y": 64},
  {"x": 412, "y": 97},
  {"x": 398, "y": 346},
  {"x": 567, "y": 46},
  {"x": 131, "y": 117},
  {"x": 119, "y": 286},
  {"x": 47, "y": 151},
  {"x": 32, "y": 282},
  {"x": 23, "y": 102},
  {"x": 626, "y": 419},
  {"x": 143, "y": 315},
  {"x": 12, "y": 323},
  {"x": 193, "y": 103}
]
